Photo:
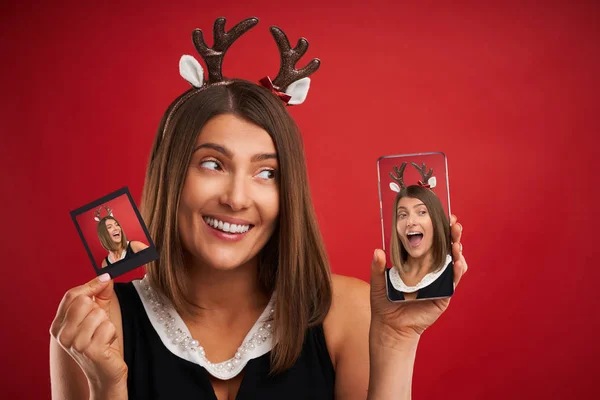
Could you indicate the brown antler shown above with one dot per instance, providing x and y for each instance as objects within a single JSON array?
[
  {"x": 422, "y": 170},
  {"x": 400, "y": 175},
  {"x": 97, "y": 214},
  {"x": 99, "y": 209},
  {"x": 289, "y": 57},
  {"x": 213, "y": 57}
]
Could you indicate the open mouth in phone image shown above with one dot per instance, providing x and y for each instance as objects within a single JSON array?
[{"x": 415, "y": 208}]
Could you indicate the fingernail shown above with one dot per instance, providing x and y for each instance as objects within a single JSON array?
[
  {"x": 375, "y": 255},
  {"x": 104, "y": 277},
  {"x": 460, "y": 247}
]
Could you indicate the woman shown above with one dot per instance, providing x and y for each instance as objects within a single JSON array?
[
  {"x": 113, "y": 239},
  {"x": 420, "y": 248},
  {"x": 242, "y": 273}
]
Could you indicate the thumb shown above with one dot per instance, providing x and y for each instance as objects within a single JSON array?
[
  {"x": 377, "y": 273},
  {"x": 102, "y": 289}
]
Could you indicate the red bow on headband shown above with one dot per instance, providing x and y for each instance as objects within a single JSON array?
[
  {"x": 425, "y": 185},
  {"x": 266, "y": 82}
]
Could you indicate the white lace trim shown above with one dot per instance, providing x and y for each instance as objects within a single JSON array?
[
  {"x": 427, "y": 280},
  {"x": 177, "y": 339}
]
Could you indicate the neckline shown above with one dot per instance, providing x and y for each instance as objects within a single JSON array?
[
  {"x": 427, "y": 280},
  {"x": 176, "y": 336},
  {"x": 123, "y": 254}
]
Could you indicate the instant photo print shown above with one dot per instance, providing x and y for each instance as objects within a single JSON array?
[
  {"x": 414, "y": 203},
  {"x": 114, "y": 234}
]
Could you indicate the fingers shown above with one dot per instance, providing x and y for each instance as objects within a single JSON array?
[
  {"x": 105, "y": 295},
  {"x": 457, "y": 248},
  {"x": 460, "y": 265},
  {"x": 87, "y": 329},
  {"x": 95, "y": 287},
  {"x": 456, "y": 230},
  {"x": 377, "y": 271},
  {"x": 68, "y": 329},
  {"x": 105, "y": 334}
]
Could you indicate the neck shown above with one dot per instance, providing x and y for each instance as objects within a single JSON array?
[
  {"x": 116, "y": 254},
  {"x": 226, "y": 293},
  {"x": 417, "y": 266}
]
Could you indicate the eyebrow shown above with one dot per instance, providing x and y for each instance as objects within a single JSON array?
[
  {"x": 415, "y": 206},
  {"x": 227, "y": 153}
]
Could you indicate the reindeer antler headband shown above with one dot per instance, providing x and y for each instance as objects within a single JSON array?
[
  {"x": 428, "y": 180},
  {"x": 290, "y": 84},
  {"x": 97, "y": 213}
]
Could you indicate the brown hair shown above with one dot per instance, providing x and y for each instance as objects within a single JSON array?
[
  {"x": 293, "y": 263},
  {"x": 441, "y": 227},
  {"x": 105, "y": 239}
]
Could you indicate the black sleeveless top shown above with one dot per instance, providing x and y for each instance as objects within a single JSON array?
[
  {"x": 443, "y": 286},
  {"x": 128, "y": 254},
  {"x": 156, "y": 373}
]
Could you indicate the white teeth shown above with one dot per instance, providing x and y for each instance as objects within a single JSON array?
[
  {"x": 226, "y": 226},
  {"x": 413, "y": 233}
]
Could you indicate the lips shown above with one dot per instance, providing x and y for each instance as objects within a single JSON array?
[
  {"x": 228, "y": 226},
  {"x": 414, "y": 238},
  {"x": 227, "y": 231}
]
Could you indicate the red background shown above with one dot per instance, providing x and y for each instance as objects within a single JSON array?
[
  {"x": 123, "y": 212},
  {"x": 508, "y": 91}
]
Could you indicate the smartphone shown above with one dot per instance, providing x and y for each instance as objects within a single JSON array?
[{"x": 414, "y": 203}]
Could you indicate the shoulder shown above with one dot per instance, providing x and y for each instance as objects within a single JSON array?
[
  {"x": 137, "y": 246},
  {"x": 104, "y": 264},
  {"x": 348, "y": 291},
  {"x": 346, "y": 330},
  {"x": 350, "y": 314}
]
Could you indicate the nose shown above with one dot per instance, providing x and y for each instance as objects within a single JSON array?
[
  {"x": 410, "y": 220},
  {"x": 236, "y": 194}
]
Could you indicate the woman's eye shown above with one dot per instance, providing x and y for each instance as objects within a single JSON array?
[
  {"x": 210, "y": 164},
  {"x": 422, "y": 212},
  {"x": 267, "y": 174},
  {"x": 402, "y": 215}
]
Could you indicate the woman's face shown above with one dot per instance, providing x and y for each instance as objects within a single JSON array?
[
  {"x": 414, "y": 227},
  {"x": 114, "y": 230},
  {"x": 230, "y": 200}
]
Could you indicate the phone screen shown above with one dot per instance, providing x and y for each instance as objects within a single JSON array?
[{"x": 414, "y": 200}]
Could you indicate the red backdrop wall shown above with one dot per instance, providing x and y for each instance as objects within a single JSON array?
[
  {"x": 123, "y": 212},
  {"x": 508, "y": 92}
]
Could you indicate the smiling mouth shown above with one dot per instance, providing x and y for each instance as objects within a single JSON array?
[
  {"x": 414, "y": 238},
  {"x": 226, "y": 227}
]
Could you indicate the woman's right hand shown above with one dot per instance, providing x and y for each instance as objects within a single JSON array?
[{"x": 83, "y": 328}]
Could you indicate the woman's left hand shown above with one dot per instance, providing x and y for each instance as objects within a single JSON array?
[{"x": 408, "y": 319}]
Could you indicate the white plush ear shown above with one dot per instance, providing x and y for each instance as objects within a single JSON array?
[
  {"x": 432, "y": 182},
  {"x": 394, "y": 186},
  {"x": 191, "y": 70},
  {"x": 97, "y": 219},
  {"x": 298, "y": 90}
]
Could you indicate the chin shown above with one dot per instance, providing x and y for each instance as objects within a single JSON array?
[
  {"x": 415, "y": 255},
  {"x": 224, "y": 260}
]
